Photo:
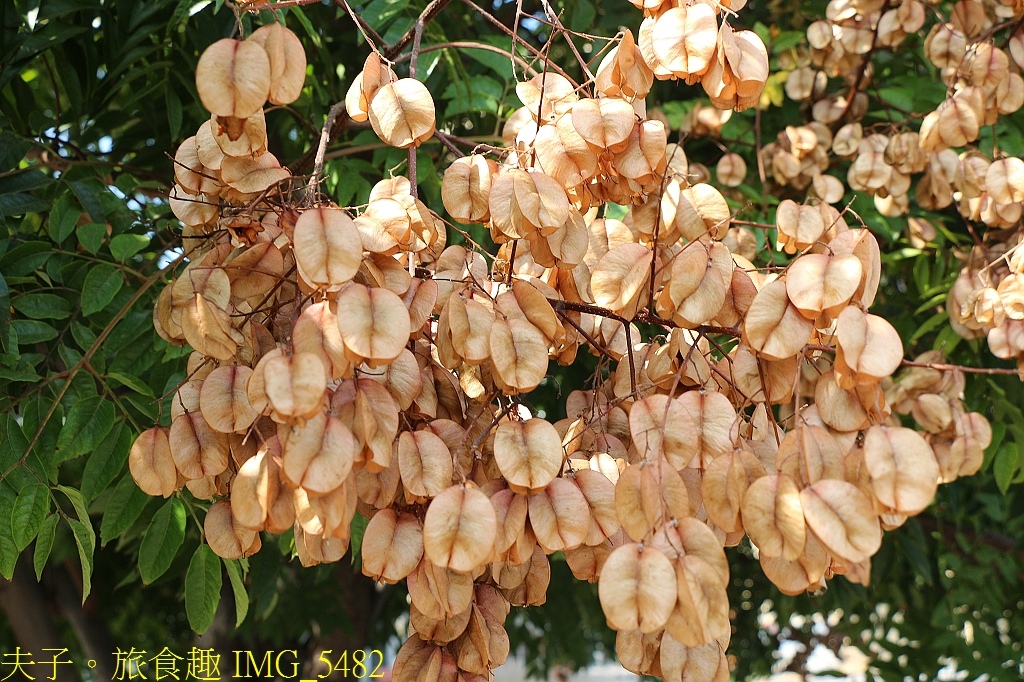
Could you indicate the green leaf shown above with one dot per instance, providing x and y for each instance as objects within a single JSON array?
[
  {"x": 106, "y": 461},
  {"x": 124, "y": 507},
  {"x": 8, "y": 548},
  {"x": 162, "y": 540},
  {"x": 30, "y": 509},
  {"x": 202, "y": 588},
  {"x": 101, "y": 285},
  {"x": 234, "y": 570},
  {"x": 1004, "y": 467},
  {"x": 85, "y": 536},
  {"x": 85, "y": 540},
  {"x": 91, "y": 235},
  {"x": 359, "y": 523},
  {"x": 41, "y": 306},
  {"x": 87, "y": 424},
  {"x": 131, "y": 382},
  {"x": 581, "y": 15},
  {"x": 5, "y": 312},
  {"x": 33, "y": 331},
  {"x": 44, "y": 543},
  {"x": 124, "y": 246},
  {"x": 63, "y": 218},
  {"x": 173, "y": 112},
  {"x": 380, "y": 12}
]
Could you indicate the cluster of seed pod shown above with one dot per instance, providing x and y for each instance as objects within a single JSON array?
[
  {"x": 685, "y": 41},
  {"x": 356, "y": 364},
  {"x": 890, "y": 163},
  {"x": 987, "y": 299}
]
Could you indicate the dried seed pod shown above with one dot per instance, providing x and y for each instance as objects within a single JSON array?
[
  {"x": 402, "y": 113},
  {"x": 903, "y": 469},
  {"x": 374, "y": 323},
  {"x": 425, "y": 464},
  {"x": 868, "y": 348},
  {"x": 663, "y": 427},
  {"x": 605, "y": 123},
  {"x": 684, "y": 40},
  {"x": 326, "y": 244},
  {"x": 233, "y": 77},
  {"x": 319, "y": 454},
  {"x": 198, "y": 450},
  {"x": 151, "y": 463},
  {"x": 636, "y": 588},
  {"x": 528, "y": 454},
  {"x": 223, "y": 399},
  {"x": 392, "y": 546},
  {"x": 559, "y": 516},
  {"x": 724, "y": 484},
  {"x": 466, "y": 187},
  {"x": 842, "y": 518},
  {"x": 287, "y": 61},
  {"x": 773, "y": 326},
  {"x": 620, "y": 279},
  {"x": 459, "y": 529},
  {"x": 294, "y": 385},
  {"x": 731, "y": 170},
  {"x": 226, "y": 538},
  {"x": 773, "y": 516}
]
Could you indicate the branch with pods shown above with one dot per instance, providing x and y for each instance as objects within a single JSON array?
[{"x": 356, "y": 363}]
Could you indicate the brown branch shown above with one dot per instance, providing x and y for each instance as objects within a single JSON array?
[{"x": 318, "y": 164}]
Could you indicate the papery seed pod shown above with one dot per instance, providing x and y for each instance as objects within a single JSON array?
[
  {"x": 223, "y": 399},
  {"x": 547, "y": 96},
  {"x": 684, "y": 40},
  {"x": 226, "y": 538},
  {"x": 287, "y": 61},
  {"x": 773, "y": 326},
  {"x": 605, "y": 123},
  {"x": 528, "y": 454},
  {"x": 198, "y": 450},
  {"x": 662, "y": 427},
  {"x": 466, "y": 187},
  {"x": 392, "y": 546},
  {"x": 903, "y": 469},
  {"x": 402, "y": 113},
  {"x": 374, "y": 323},
  {"x": 425, "y": 464},
  {"x": 151, "y": 463},
  {"x": 459, "y": 529},
  {"x": 731, "y": 170},
  {"x": 738, "y": 70},
  {"x": 559, "y": 516},
  {"x": 233, "y": 77},
  {"x": 250, "y": 175},
  {"x": 327, "y": 249},
  {"x": 868, "y": 348},
  {"x": 841, "y": 517},
  {"x": 773, "y": 516},
  {"x": 636, "y": 588},
  {"x": 648, "y": 495},
  {"x": 724, "y": 484}
]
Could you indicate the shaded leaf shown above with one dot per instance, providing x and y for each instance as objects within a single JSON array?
[
  {"x": 202, "y": 588},
  {"x": 162, "y": 540}
]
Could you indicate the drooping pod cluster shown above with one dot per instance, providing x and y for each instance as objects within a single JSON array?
[
  {"x": 935, "y": 161},
  {"x": 356, "y": 363}
]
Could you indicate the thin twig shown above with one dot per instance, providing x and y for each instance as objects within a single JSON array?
[{"x": 313, "y": 195}]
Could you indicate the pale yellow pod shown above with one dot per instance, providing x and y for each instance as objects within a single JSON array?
[{"x": 233, "y": 77}]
